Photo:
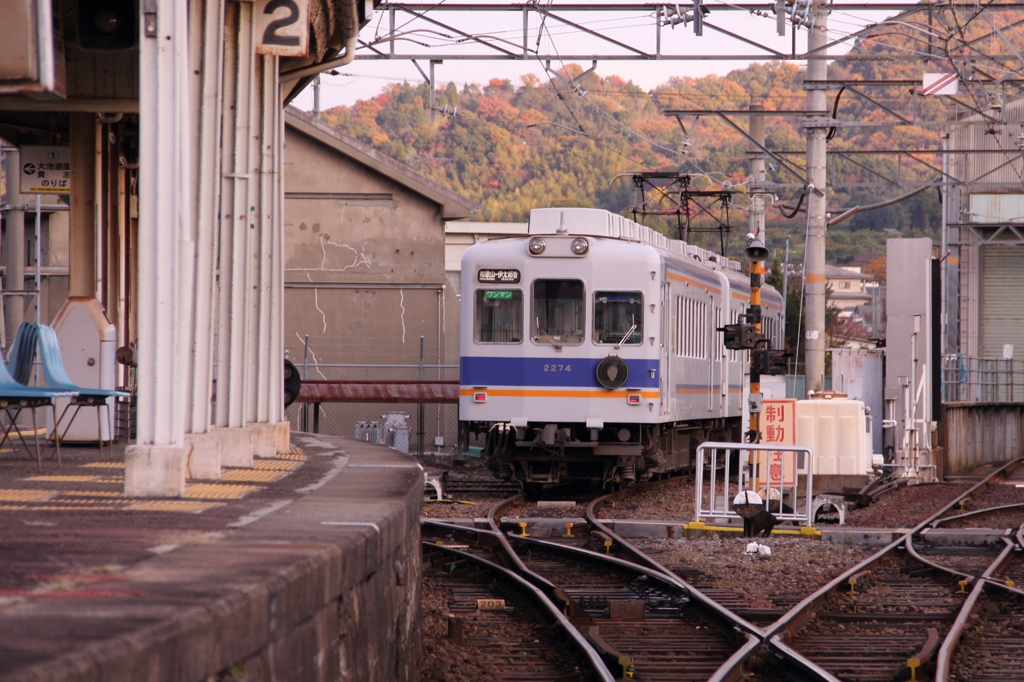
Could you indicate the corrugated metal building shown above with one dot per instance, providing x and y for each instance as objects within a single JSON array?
[{"x": 985, "y": 238}]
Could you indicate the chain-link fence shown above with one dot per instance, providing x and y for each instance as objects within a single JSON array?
[{"x": 433, "y": 428}]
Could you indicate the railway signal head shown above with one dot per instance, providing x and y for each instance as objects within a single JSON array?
[
  {"x": 740, "y": 336},
  {"x": 769, "y": 361}
]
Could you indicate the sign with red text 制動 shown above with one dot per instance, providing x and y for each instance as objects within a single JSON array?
[{"x": 778, "y": 426}]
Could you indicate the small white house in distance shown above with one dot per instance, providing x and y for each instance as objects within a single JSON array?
[
  {"x": 850, "y": 287},
  {"x": 459, "y": 236}
]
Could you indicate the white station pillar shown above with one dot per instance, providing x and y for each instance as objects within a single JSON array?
[{"x": 156, "y": 465}]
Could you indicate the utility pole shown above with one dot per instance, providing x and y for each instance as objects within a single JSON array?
[
  {"x": 816, "y": 126},
  {"x": 316, "y": 96},
  {"x": 756, "y": 252}
]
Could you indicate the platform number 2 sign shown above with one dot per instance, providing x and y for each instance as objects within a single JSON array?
[{"x": 282, "y": 27}]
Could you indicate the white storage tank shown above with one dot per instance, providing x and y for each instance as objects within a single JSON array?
[{"x": 835, "y": 429}]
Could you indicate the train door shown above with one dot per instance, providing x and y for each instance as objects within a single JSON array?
[
  {"x": 665, "y": 372},
  {"x": 709, "y": 347}
]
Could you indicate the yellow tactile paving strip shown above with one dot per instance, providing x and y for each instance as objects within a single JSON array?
[
  {"x": 8, "y": 495},
  {"x": 252, "y": 475},
  {"x": 275, "y": 465},
  {"x": 64, "y": 479},
  {"x": 172, "y": 506},
  {"x": 104, "y": 502},
  {"x": 199, "y": 496},
  {"x": 91, "y": 494},
  {"x": 218, "y": 491},
  {"x": 300, "y": 458}
]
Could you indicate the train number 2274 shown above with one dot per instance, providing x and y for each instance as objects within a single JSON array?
[{"x": 557, "y": 368}]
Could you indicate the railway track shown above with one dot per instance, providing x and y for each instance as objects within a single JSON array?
[
  {"x": 518, "y": 633},
  {"x": 910, "y": 610},
  {"x": 459, "y": 488},
  {"x": 644, "y": 625},
  {"x": 916, "y": 608}
]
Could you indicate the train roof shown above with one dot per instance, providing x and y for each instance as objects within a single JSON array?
[{"x": 596, "y": 222}]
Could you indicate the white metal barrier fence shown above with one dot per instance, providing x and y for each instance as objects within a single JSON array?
[{"x": 778, "y": 467}]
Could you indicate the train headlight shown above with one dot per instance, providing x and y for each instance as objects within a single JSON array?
[
  {"x": 580, "y": 246},
  {"x": 537, "y": 246},
  {"x": 612, "y": 372}
]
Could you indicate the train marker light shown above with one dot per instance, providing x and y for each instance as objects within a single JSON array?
[
  {"x": 479, "y": 397},
  {"x": 537, "y": 246},
  {"x": 580, "y": 246},
  {"x": 633, "y": 399}
]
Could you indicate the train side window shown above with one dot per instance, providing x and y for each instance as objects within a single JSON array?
[
  {"x": 619, "y": 317},
  {"x": 499, "y": 316},
  {"x": 691, "y": 328},
  {"x": 558, "y": 311}
]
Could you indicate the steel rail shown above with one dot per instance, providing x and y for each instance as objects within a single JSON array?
[
  {"x": 944, "y": 659},
  {"x": 732, "y": 665},
  {"x": 801, "y": 612},
  {"x": 554, "y": 592},
  {"x": 977, "y": 512},
  {"x": 730, "y": 671},
  {"x": 643, "y": 559},
  {"x": 908, "y": 544},
  {"x": 588, "y": 651}
]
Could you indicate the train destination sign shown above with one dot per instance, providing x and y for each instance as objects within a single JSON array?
[{"x": 504, "y": 276}]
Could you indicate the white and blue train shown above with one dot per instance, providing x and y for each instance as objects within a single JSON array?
[{"x": 590, "y": 350}]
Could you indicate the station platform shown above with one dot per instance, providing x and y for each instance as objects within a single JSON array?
[{"x": 305, "y": 567}]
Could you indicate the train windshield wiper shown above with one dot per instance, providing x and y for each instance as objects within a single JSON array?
[
  {"x": 541, "y": 334},
  {"x": 628, "y": 334}
]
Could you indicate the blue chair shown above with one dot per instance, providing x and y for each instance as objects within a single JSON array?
[
  {"x": 57, "y": 379},
  {"x": 23, "y": 352},
  {"x": 16, "y": 396}
]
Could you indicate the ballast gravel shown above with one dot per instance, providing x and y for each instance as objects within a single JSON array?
[{"x": 796, "y": 568}]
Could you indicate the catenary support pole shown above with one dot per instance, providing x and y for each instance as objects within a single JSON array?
[
  {"x": 814, "y": 286},
  {"x": 755, "y": 237}
]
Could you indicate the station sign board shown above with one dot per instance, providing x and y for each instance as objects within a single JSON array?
[
  {"x": 282, "y": 27},
  {"x": 45, "y": 170},
  {"x": 778, "y": 426}
]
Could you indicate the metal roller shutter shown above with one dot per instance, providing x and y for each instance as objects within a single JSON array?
[{"x": 1002, "y": 314}]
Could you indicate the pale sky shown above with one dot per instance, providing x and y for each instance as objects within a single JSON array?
[{"x": 363, "y": 79}]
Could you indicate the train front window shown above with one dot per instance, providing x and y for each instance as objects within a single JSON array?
[
  {"x": 619, "y": 317},
  {"x": 499, "y": 316},
  {"x": 558, "y": 311}
]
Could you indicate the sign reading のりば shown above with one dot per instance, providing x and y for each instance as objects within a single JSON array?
[{"x": 45, "y": 170}]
